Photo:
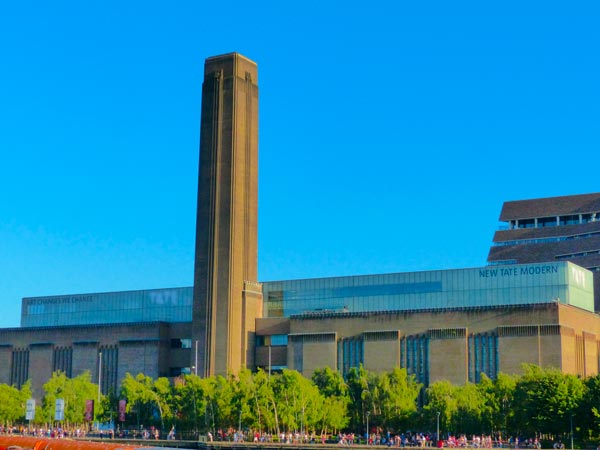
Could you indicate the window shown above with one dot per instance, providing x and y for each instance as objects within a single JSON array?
[
  {"x": 181, "y": 343},
  {"x": 527, "y": 223},
  {"x": 592, "y": 217},
  {"x": 569, "y": 220},
  {"x": 274, "y": 304},
  {"x": 547, "y": 222},
  {"x": 176, "y": 371},
  {"x": 279, "y": 339},
  {"x": 276, "y": 339}
]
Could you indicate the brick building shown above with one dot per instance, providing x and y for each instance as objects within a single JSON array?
[{"x": 531, "y": 305}]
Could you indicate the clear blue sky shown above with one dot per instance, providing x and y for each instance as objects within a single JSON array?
[{"x": 390, "y": 133}]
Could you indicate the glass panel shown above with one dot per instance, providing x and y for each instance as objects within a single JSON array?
[
  {"x": 492, "y": 285},
  {"x": 165, "y": 305},
  {"x": 547, "y": 222},
  {"x": 279, "y": 339},
  {"x": 569, "y": 220}
]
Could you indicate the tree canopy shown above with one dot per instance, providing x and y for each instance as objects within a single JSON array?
[{"x": 541, "y": 401}]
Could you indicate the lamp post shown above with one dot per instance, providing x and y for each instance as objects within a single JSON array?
[
  {"x": 368, "y": 414},
  {"x": 571, "y": 431},
  {"x": 196, "y": 359},
  {"x": 99, "y": 382},
  {"x": 363, "y": 398},
  {"x": 437, "y": 436}
]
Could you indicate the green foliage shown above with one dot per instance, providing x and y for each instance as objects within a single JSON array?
[
  {"x": 399, "y": 393},
  {"x": 547, "y": 398},
  {"x": 190, "y": 404},
  {"x": 588, "y": 413},
  {"x": 330, "y": 382},
  {"x": 299, "y": 402},
  {"x": 267, "y": 402},
  {"x": 499, "y": 399},
  {"x": 74, "y": 391},
  {"x": 333, "y": 388},
  {"x": 441, "y": 398},
  {"x": 223, "y": 400},
  {"x": 471, "y": 409},
  {"x": 360, "y": 391},
  {"x": 147, "y": 398},
  {"x": 541, "y": 401},
  {"x": 12, "y": 402}
]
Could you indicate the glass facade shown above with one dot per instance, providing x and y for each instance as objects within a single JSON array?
[
  {"x": 154, "y": 305},
  {"x": 477, "y": 287}
]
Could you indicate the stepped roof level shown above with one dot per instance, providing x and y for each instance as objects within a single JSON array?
[{"x": 565, "y": 228}]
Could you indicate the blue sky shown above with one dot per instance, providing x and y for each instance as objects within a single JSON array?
[{"x": 390, "y": 133}]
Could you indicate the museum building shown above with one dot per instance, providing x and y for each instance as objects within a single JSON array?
[
  {"x": 447, "y": 324},
  {"x": 534, "y": 303}
]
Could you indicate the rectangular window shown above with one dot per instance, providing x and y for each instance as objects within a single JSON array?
[
  {"x": 274, "y": 304},
  {"x": 527, "y": 223},
  {"x": 569, "y": 220},
  {"x": 547, "y": 222},
  {"x": 279, "y": 339},
  {"x": 181, "y": 343}
]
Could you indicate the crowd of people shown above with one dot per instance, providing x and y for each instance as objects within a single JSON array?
[
  {"x": 376, "y": 438},
  {"x": 45, "y": 432}
]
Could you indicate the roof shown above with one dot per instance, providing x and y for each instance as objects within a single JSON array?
[
  {"x": 548, "y": 251},
  {"x": 551, "y": 206}
]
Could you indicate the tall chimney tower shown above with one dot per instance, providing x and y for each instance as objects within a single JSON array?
[{"x": 227, "y": 296}]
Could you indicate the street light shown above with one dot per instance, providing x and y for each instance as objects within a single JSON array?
[
  {"x": 99, "y": 383},
  {"x": 363, "y": 398},
  {"x": 571, "y": 431},
  {"x": 196, "y": 359},
  {"x": 438, "y": 427}
]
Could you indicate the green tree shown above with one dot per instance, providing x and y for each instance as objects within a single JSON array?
[
  {"x": 264, "y": 399},
  {"x": 441, "y": 398},
  {"x": 208, "y": 387},
  {"x": 399, "y": 392},
  {"x": 190, "y": 404},
  {"x": 223, "y": 398},
  {"x": 299, "y": 401},
  {"x": 334, "y": 390},
  {"x": 330, "y": 382},
  {"x": 471, "y": 408},
  {"x": 588, "y": 414},
  {"x": 364, "y": 399},
  {"x": 74, "y": 391},
  {"x": 12, "y": 402},
  {"x": 499, "y": 399},
  {"x": 254, "y": 398},
  {"x": 147, "y": 398},
  {"x": 546, "y": 400}
]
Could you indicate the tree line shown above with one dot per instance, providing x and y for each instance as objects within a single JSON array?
[{"x": 542, "y": 402}]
